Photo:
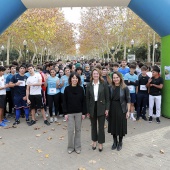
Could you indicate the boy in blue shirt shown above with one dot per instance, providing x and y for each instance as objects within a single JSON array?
[
  {"x": 124, "y": 69},
  {"x": 131, "y": 80}
]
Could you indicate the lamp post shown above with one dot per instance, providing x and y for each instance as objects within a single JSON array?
[
  {"x": 153, "y": 56},
  {"x": 25, "y": 49},
  {"x": 45, "y": 50},
  {"x": 132, "y": 43},
  {"x": 2, "y": 49}
]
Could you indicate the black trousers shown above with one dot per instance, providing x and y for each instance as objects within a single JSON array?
[
  {"x": 97, "y": 135},
  {"x": 53, "y": 99},
  {"x": 9, "y": 100}
]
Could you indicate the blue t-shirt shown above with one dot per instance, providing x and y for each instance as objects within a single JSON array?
[
  {"x": 124, "y": 71},
  {"x": 5, "y": 76},
  {"x": 82, "y": 80},
  {"x": 65, "y": 78},
  {"x": 51, "y": 85},
  {"x": 19, "y": 90},
  {"x": 132, "y": 78},
  {"x": 27, "y": 74},
  {"x": 8, "y": 79}
]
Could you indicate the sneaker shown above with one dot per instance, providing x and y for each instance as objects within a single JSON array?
[
  {"x": 144, "y": 118},
  {"x": 51, "y": 120},
  {"x": 137, "y": 118},
  {"x": 27, "y": 120},
  {"x": 55, "y": 119},
  {"x": 150, "y": 119},
  {"x": 46, "y": 114},
  {"x": 16, "y": 122},
  {"x": 46, "y": 122},
  {"x": 3, "y": 124},
  {"x": 31, "y": 123},
  {"x": 64, "y": 120},
  {"x": 5, "y": 121},
  {"x": 70, "y": 152},
  {"x": 78, "y": 151},
  {"x": 36, "y": 114},
  {"x": 157, "y": 120},
  {"x": 61, "y": 115}
]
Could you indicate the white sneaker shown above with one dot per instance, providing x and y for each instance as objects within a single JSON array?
[
  {"x": 46, "y": 114},
  {"x": 55, "y": 119},
  {"x": 64, "y": 120},
  {"x": 37, "y": 114},
  {"x": 51, "y": 120}
]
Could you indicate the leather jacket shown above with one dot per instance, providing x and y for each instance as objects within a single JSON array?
[{"x": 124, "y": 97}]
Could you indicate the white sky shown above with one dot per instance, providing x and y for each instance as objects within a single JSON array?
[{"x": 72, "y": 15}]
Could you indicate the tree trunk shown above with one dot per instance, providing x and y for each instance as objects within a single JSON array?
[
  {"x": 153, "y": 52},
  {"x": 149, "y": 50},
  {"x": 8, "y": 48},
  {"x": 124, "y": 56}
]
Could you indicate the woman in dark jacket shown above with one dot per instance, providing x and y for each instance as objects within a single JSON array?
[
  {"x": 119, "y": 110},
  {"x": 97, "y": 98}
]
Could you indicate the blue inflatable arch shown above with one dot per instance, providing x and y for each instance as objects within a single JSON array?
[{"x": 156, "y": 13}]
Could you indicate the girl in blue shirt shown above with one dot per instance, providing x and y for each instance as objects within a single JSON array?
[
  {"x": 53, "y": 94},
  {"x": 63, "y": 84}
]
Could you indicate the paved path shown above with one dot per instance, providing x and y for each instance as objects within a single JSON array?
[{"x": 21, "y": 149}]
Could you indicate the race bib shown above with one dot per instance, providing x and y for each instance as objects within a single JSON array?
[
  {"x": 143, "y": 87},
  {"x": 131, "y": 88},
  {"x": 22, "y": 83},
  {"x": 52, "y": 90}
]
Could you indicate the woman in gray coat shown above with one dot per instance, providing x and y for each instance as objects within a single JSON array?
[
  {"x": 97, "y": 98},
  {"x": 119, "y": 109}
]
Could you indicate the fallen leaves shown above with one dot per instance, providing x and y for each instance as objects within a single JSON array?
[
  {"x": 44, "y": 132},
  {"x": 92, "y": 161},
  {"x": 162, "y": 151},
  {"x": 36, "y": 128},
  {"x": 81, "y": 168},
  {"x": 49, "y": 138},
  {"x": 38, "y": 135},
  {"x": 101, "y": 169},
  {"x": 52, "y": 129},
  {"x": 47, "y": 156},
  {"x": 58, "y": 123},
  {"x": 61, "y": 137},
  {"x": 39, "y": 150}
]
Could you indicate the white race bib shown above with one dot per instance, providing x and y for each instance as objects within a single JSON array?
[
  {"x": 131, "y": 88},
  {"x": 143, "y": 87},
  {"x": 52, "y": 90},
  {"x": 22, "y": 83}
]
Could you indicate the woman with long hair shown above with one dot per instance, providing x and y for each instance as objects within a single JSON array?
[
  {"x": 97, "y": 98},
  {"x": 119, "y": 109}
]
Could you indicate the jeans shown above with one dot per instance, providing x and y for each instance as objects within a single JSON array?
[
  {"x": 157, "y": 100},
  {"x": 142, "y": 99}
]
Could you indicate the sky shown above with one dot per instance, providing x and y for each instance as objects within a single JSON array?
[{"x": 72, "y": 15}]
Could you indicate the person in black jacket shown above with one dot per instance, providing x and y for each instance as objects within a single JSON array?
[
  {"x": 119, "y": 110},
  {"x": 74, "y": 110}
]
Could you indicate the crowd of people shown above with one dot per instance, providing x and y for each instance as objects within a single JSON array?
[{"x": 78, "y": 89}]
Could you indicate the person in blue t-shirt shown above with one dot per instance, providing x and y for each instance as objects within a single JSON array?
[
  {"x": 124, "y": 69},
  {"x": 10, "y": 91},
  {"x": 63, "y": 84},
  {"x": 131, "y": 80},
  {"x": 18, "y": 82},
  {"x": 53, "y": 94}
]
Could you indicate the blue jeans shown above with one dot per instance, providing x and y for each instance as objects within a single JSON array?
[{"x": 142, "y": 99}]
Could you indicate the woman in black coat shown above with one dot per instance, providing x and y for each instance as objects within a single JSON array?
[
  {"x": 119, "y": 109},
  {"x": 97, "y": 99}
]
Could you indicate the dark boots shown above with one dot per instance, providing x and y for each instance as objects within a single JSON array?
[
  {"x": 114, "y": 146},
  {"x": 117, "y": 144}
]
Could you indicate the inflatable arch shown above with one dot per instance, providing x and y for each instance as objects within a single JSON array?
[{"x": 155, "y": 13}]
